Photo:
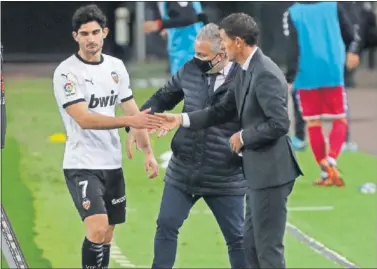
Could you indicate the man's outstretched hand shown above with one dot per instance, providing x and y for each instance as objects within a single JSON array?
[
  {"x": 169, "y": 122},
  {"x": 143, "y": 120}
]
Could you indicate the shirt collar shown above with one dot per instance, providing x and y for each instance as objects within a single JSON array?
[
  {"x": 226, "y": 69},
  {"x": 246, "y": 64}
]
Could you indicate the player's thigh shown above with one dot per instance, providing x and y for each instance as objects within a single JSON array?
[
  {"x": 310, "y": 103},
  {"x": 334, "y": 102},
  {"x": 86, "y": 189},
  {"x": 115, "y": 196}
]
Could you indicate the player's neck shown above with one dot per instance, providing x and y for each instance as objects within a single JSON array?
[
  {"x": 245, "y": 53},
  {"x": 90, "y": 58}
]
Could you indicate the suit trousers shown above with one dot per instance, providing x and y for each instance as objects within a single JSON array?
[
  {"x": 175, "y": 208},
  {"x": 265, "y": 221}
]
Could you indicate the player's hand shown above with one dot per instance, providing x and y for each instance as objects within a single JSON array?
[
  {"x": 169, "y": 122},
  {"x": 353, "y": 60},
  {"x": 151, "y": 165},
  {"x": 150, "y": 26},
  {"x": 143, "y": 120},
  {"x": 130, "y": 141},
  {"x": 235, "y": 142}
]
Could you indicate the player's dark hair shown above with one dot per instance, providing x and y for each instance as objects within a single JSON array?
[
  {"x": 87, "y": 14},
  {"x": 241, "y": 25}
]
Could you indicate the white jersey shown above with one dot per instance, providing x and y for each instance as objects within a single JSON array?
[{"x": 101, "y": 85}]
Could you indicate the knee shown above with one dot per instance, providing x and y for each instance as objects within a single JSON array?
[
  {"x": 109, "y": 234},
  {"x": 235, "y": 242},
  {"x": 97, "y": 234},
  {"x": 96, "y": 228},
  {"x": 271, "y": 256},
  {"x": 168, "y": 226}
]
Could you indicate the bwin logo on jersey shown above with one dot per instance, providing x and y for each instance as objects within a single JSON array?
[{"x": 102, "y": 101}]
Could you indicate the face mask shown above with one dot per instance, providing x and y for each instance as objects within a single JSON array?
[{"x": 205, "y": 65}]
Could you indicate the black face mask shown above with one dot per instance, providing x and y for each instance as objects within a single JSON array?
[{"x": 205, "y": 65}]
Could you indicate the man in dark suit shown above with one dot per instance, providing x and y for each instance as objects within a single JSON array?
[{"x": 269, "y": 162}]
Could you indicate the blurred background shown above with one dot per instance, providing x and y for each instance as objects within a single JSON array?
[
  {"x": 37, "y": 36},
  {"x": 40, "y": 32}
]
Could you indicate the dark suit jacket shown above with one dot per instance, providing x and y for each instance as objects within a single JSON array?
[{"x": 260, "y": 99}]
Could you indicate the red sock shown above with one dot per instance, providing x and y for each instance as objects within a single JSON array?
[
  {"x": 337, "y": 138},
  {"x": 317, "y": 142}
]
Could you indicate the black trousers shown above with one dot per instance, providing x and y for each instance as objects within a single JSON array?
[
  {"x": 266, "y": 217},
  {"x": 175, "y": 208}
]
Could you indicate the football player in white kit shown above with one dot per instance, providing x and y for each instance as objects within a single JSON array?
[{"x": 87, "y": 86}]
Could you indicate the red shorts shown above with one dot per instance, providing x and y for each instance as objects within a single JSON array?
[{"x": 323, "y": 103}]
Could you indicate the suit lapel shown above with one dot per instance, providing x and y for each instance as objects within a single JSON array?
[{"x": 245, "y": 84}]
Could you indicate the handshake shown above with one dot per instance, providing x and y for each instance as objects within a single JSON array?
[
  {"x": 158, "y": 122},
  {"x": 163, "y": 123}
]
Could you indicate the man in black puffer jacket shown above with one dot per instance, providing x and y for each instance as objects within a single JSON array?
[{"x": 202, "y": 165}]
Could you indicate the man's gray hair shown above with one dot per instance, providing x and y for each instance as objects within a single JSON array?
[{"x": 211, "y": 32}]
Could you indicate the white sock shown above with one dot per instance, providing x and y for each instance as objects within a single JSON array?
[
  {"x": 324, "y": 175},
  {"x": 331, "y": 161}
]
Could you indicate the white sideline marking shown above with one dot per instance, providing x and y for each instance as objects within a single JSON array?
[
  {"x": 311, "y": 208},
  {"x": 303, "y": 208},
  {"x": 165, "y": 158},
  {"x": 319, "y": 247},
  {"x": 315, "y": 245},
  {"x": 118, "y": 257}
]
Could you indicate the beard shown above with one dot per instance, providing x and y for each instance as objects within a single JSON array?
[{"x": 93, "y": 49}]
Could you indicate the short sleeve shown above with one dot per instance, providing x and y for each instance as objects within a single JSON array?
[
  {"x": 125, "y": 92},
  {"x": 66, "y": 88}
]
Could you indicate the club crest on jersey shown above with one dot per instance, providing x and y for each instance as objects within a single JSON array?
[
  {"x": 115, "y": 77},
  {"x": 86, "y": 203}
]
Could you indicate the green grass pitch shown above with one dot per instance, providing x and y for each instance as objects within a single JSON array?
[{"x": 50, "y": 231}]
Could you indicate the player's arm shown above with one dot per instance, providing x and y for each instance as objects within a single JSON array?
[
  {"x": 141, "y": 137},
  {"x": 182, "y": 20},
  {"x": 70, "y": 97},
  {"x": 351, "y": 33},
  {"x": 130, "y": 108},
  {"x": 292, "y": 55},
  {"x": 175, "y": 20}
]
